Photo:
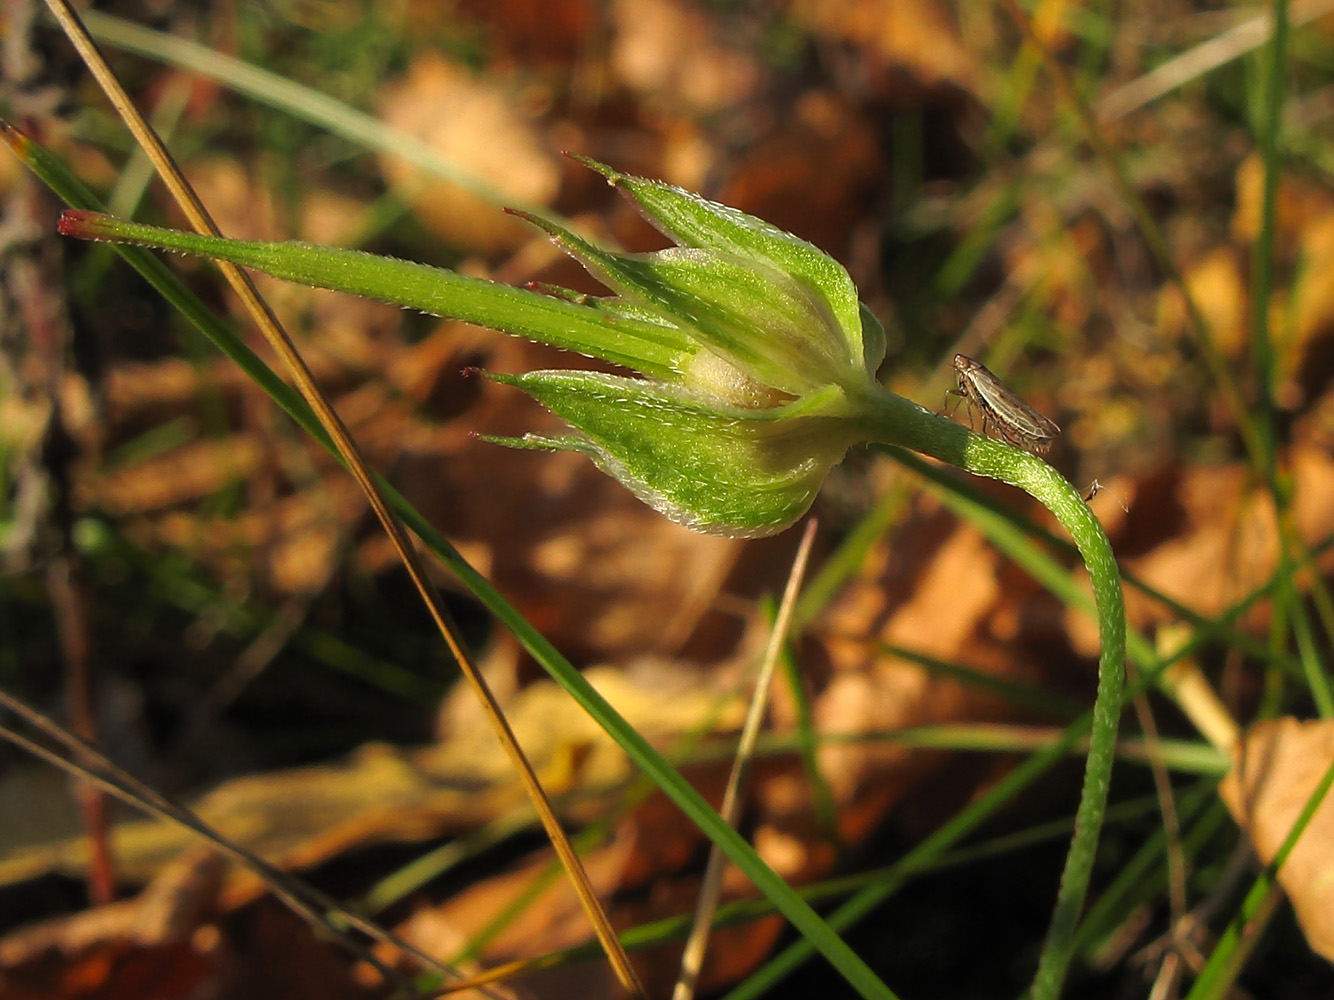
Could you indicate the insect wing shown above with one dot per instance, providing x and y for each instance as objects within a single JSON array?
[
  {"x": 1009, "y": 409},
  {"x": 1014, "y": 420}
]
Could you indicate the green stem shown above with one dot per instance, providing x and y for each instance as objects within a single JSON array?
[
  {"x": 903, "y": 423},
  {"x": 882, "y": 416},
  {"x": 1262, "y": 255},
  {"x": 648, "y": 348}
]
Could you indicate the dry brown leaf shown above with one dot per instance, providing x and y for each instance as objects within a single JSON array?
[
  {"x": 601, "y": 573},
  {"x": 1298, "y": 202},
  {"x": 306, "y": 543},
  {"x": 243, "y": 207},
  {"x": 22, "y": 421},
  {"x": 733, "y": 952},
  {"x": 481, "y": 127},
  {"x": 669, "y": 53},
  {"x": 304, "y": 815},
  {"x": 1302, "y": 300},
  {"x": 1059, "y": 257},
  {"x": 1304, "y": 238},
  {"x": 380, "y": 794},
  {"x": 870, "y": 692},
  {"x": 1218, "y": 287},
  {"x": 598, "y": 572},
  {"x": 144, "y": 947},
  {"x": 185, "y": 474},
  {"x": 167, "y": 911},
  {"x": 434, "y": 935},
  {"x": 550, "y": 918},
  {"x": 915, "y": 37},
  {"x": 527, "y": 33},
  {"x": 944, "y": 592},
  {"x": 813, "y": 173},
  {"x": 1275, "y": 770},
  {"x": 333, "y": 219},
  {"x": 1211, "y": 539},
  {"x": 11, "y": 169}
]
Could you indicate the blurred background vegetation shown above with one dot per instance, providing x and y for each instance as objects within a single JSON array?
[{"x": 192, "y": 582}]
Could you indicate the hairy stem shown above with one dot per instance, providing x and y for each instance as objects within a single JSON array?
[{"x": 908, "y": 425}]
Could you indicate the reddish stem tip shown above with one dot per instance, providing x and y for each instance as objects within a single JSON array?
[
  {"x": 76, "y": 222},
  {"x": 17, "y": 141}
]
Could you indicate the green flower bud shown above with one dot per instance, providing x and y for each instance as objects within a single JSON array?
[{"x": 776, "y": 366}]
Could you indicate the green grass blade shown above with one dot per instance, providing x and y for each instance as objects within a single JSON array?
[
  {"x": 816, "y": 931},
  {"x": 405, "y": 283},
  {"x": 284, "y": 95},
  {"x": 925, "y": 853},
  {"x": 1215, "y": 981}
]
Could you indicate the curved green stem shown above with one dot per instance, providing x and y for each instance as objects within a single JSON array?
[
  {"x": 903, "y": 423},
  {"x": 865, "y": 411}
]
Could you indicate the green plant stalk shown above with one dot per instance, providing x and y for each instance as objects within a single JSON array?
[
  {"x": 660, "y": 931},
  {"x": 920, "y": 857},
  {"x": 1268, "y": 120},
  {"x": 1224, "y": 962},
  {"x": 1022, "y": 695},
  {"x": 1270, "y": 115},
  {"x": 1149, "y": 229},
  {"x": 1144, "y": 872},
  {"x": 878, "y": 887},
  {"x": 821, "y": 937},
  {"x": 433, "y": 290},
  {"x": 807, "y": 743},
  {"x": 1016, "y": 536},
  {"x": 985, "y": 457},
  {"x": 880, "y": 416},
  {"x": 839, "y": 566}
]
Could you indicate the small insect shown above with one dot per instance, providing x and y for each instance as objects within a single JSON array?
[
  {"x": 1009, "y": 417},
  {"x": 1094, "y": 488}
]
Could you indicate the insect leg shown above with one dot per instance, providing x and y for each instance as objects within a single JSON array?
[{"x": 946, "y": 410}]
